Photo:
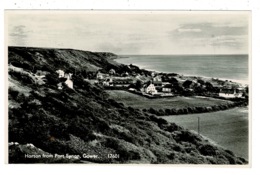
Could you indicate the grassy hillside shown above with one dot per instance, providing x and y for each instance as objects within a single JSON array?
[{"x": 85, "y": 121}]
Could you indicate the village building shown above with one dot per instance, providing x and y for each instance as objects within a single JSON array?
[
  {"x": 61, "y": 73},
  {"x": 122, "y": 82},
  {"x": 150, "y": 89},
  {"x": 108, "y": 82},
  {"x": 68, "y": 82},
  {"x": 231, "y": 93},
  {"x": 167, "y": 88},
  {"x": 157, "y": 82},
  {"x": 99, "y": 76}
]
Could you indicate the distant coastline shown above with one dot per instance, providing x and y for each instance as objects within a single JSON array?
[{"x": 226, "y": 67}]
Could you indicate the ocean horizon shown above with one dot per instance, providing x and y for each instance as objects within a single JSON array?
[{"x": 225, "y": 67}]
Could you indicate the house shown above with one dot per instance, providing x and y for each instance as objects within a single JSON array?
[
  {"x": 125, "y": 82},
  {"x": 150, "y": 88},
  {"x": 108, "y": 82},
  {"x": 157, "y": 81},
  {"x": 69, "y": 83},
  {"x": 167, "y": 88},
  {"x": 230, "y": 93},
  {"x": 61, "y": 73},
  {"x": 99, "y": 76}
]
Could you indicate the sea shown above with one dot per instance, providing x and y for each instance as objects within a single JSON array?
[{"x": 224, "y": 67}]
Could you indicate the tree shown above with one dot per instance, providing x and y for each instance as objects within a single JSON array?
[
  {"x": 187, "y": 84},
  {"x": 138, "y": 84},
  {"x": 209, "y": 86},
  {"x": 201, "y": 82},
  {"x": 173, "y": 81}
]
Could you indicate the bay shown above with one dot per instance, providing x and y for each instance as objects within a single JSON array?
[{"x": 228, "y": 67}]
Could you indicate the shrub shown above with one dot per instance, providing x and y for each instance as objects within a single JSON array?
[
  {"x": 12, "y": 93},
  {"x": 168, "y": 112},
  {"x": 22, "y": 77},
  {"x": 187, "y": 136},
  {"x": 173, "y": 127},
  {"x": 208, "y": 150},
  {"x": 152, "y": 111},
  {"x": 173, "y": 111}
]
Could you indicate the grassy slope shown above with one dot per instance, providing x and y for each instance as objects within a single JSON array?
[
  {"x": 85, "y": 120},
  {"x": 228, "y": 128},
  {"x": 140, "y": 102}
]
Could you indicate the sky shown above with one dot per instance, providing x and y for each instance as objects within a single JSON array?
[{"x": 131, "y": 33}]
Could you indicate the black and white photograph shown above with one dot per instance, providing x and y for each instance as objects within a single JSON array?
[{"x": 128, "y": 87}]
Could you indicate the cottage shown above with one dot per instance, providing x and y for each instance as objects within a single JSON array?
[{"x": 150, "y": 89}]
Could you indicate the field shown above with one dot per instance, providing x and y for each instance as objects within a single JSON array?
[
  {"x": 137, "y": 101},
  {"x": 227, "y": 128}
]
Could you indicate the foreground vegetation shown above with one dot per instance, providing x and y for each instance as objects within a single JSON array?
[{"x": 86, "y": 120}]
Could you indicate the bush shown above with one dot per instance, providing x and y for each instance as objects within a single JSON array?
[
  {"x": 12, "y": 93},
  {"x": 168, "y": 112},
  {"x": 208, "y": 150},
  {"x": 22, "y": 77},
  {"x": 173, "y": 127},
  {"x": 187, "y": 136},
  {"x": 152, "y": 111}
]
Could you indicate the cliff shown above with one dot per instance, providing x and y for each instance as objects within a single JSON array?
[{"x": 85, "y": 122}]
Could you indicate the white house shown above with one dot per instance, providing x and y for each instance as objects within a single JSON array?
[
  {"x": 69, "y": 83},
  {"x": 61, "y": 73},
  {"x": 150, "y": 89},
  {"x": 230, "y": 93}
]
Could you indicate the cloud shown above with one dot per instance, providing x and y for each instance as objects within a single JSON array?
[
  {"x": 18, "y": 35},
  {"x": 209, "y": 30},
  {"x": 18, "y": 31},
  {"x": 227, "y": 36},
  {"x": 188, "y": 30}
]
